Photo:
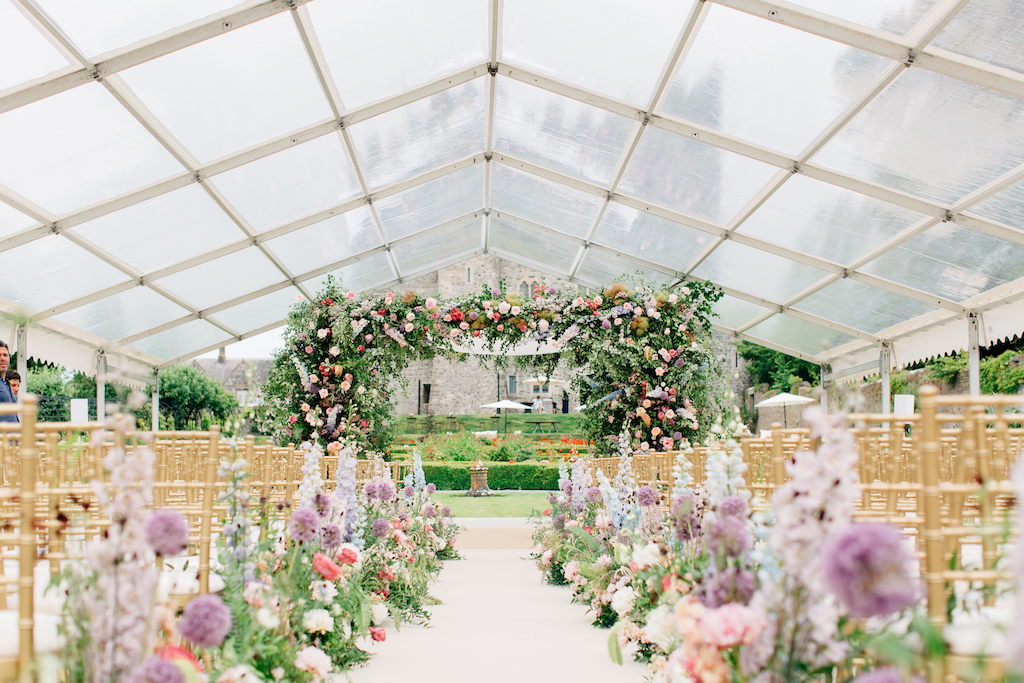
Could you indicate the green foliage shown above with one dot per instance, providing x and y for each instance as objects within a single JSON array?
[
  {"x": 459, "y": 447},
  {"x": 500, "y": 476},
  {"x": 515, "y": 447},
  {"x": 946, "y": 368},
  {"x": 48, "y": 381},
  {"x": 778, "y": 370},
  {"x": 998, "y": 376},
  {"x": 193, "y": 399}
]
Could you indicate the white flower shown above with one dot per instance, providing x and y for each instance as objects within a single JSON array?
[
  {"x": 314, "y": 660},
  {"x": 378, "y": 613},
  {"x": 623, "y": 599},
  {"x": 660, "y": 628},
  {"x": 504, "y": 307},
  {"x": 277, "y": 673},
  {"x": 267, "y": 619},
  {"x": 323, "y": 591},
  {"x": 240, "y": 673},
  {"x": 318, "y": 621},
  {"x": 648, "y": 555}
]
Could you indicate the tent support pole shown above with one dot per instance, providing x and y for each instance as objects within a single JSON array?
[
  {"x": 824, "y": 388},
  {"x": 884, "y": 362},
  {"x": 156, "y": 400},
  {"x": 973, "y": 355},
  {"x": 22, "y": 342},
  {"x": 101, "y": 387}
]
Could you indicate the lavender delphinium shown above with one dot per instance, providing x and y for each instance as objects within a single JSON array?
[
  {"x": 304, "y": 525},
  {"x": 206, "y": 621},
  {"x": 236, "y": 537},
  {"x": 580, "y": 484},
  {"x": 867, "y": 567},
  {"x": 312, "y": 481},
  {"x": 166, "y": 532},
  {"x": 348, "y": 513},
  {"x": 733, "y": 584},
  {"x": 686, "y": 519},
  {"x": 156, "y": 670}
]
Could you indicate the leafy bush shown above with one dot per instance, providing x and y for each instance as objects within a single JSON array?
[
  {"x": 946, "y": 368},
  {"x": 500, "y": 476},
  {"x": 461, "y": 447},
  {"x": 515, "y": 447}
]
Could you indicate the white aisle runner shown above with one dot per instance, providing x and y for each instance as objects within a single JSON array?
[{"x": 499, "y": 623}]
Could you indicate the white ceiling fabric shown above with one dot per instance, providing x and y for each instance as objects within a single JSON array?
[{"x": 173, "y": 174}]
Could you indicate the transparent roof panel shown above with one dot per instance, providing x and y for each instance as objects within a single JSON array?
[
  {"x": 862, "y": 306},
  {"x": 755, "y": 272},
  {"x": 64, "y": 162},
  {"x": 97, "y": 27},
  {"x": 615, "y": 47},
  {"x": 247, "y": 86},
  {"x": 543, "y": 201},
  {"x": 518, "y": 239},
  {"x": 639, "y": 233},
  {"x": 735, "y": 313},
  {"x": 1005, "y": 207},
  {"x": 326, "y": 242},
  {"x": 753, "y": 79},
  {"x": 601, "y": 269},
  {"x": 420, "y": 252},
  {"x": 827, "y": 221},
  {"x": 953, "y": 262},
  {"x": 223, "y": 279},
  {"x": 260, "y": 312},
  {"x": 691, "y": 177},
  {"x": 363, "y": 275},
  {"x": 24, "y": 52},
  {"x": 989, "y": 30},
  {"x": 421, "y": 136},
  {"x": 799, "y": 334},
  {"x": 377, "y": 49},
  {"x": 52, "y": 270},
  {"x": 558, "y": 133},
  {"x": 299, "y": 181},
  {"x": 930, "y": 135},
  {"x": 162, "y": 231},
  {"x": 122, "y": 315},
  {"x": 177, "y": 341},
  {"x": 895, "y": 16},
  {"x": 432, "y": 203},
  {"x": 12, "y": 220}
]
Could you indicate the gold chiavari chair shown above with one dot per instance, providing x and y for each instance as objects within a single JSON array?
[{"x": 964, "y": 514}]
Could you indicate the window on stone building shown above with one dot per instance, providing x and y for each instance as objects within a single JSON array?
[
  {"x": 536, "y": 388},
  {"x": 546, "y": 388},
  {"x": 242, "y": 396},
  {"x": 512, "y": 384},
  {"x": 426, "y": 394},
  {"x": 524, "y": 290}
]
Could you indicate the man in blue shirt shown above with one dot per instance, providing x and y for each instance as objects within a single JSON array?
[{"x": 6, "y": 395}]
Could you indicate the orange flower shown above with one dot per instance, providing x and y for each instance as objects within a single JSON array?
[
  {"x": 348, "y": 556},
  {"x": 326, "y": 568}
]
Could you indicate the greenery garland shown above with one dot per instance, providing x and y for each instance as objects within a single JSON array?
[{"x": 645, "y": 359}]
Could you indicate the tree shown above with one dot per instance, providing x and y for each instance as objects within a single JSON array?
[
  {"x": 193, "y": 399},
  {"x": 778, "y": 370}
]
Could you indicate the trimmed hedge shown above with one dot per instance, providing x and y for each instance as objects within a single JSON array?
[{"x": 500, "y": 476}]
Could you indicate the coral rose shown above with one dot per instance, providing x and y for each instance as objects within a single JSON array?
[{"x": 326, "y": 568}]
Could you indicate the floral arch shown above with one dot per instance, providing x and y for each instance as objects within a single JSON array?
[{"x": 645, "y": 362}]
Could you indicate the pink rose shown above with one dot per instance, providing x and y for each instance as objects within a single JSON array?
[
  {"x": 731, "y": 624},
  {"x": 326, "y": 568},
  {"x": 309, "y": 349},
  {"x": 377, "y": 634},
  {"x": 348, "y": 556}
]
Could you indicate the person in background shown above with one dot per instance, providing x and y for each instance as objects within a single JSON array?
[
  {"x": 14, "y": 382},
  {"x": 537, "y": 406},
  {"x": 6, "y": 395}
]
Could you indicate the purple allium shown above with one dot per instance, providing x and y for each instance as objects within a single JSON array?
[
  {"x": 677, "y": 435},
  {"x": 734, "y": 506},
  {"x": 867, "y": 567},
  {"x": 731, "y": 585},
  {"x": 473, "y": 315},
  {"x": 372, "y": 489},
  {"x": 303, "y": 525},
  {"x": 495, "y": 291},
  {"x": 428, "y": 511},
  {"x": 409, "y": 491},
  {"x": 156, "y": 670},
  {"x": 687, "y": 522},
  {"x": 594, "y": 494},
  {"x": 646, "y": 496},
  {"x": 553, "y": 498},
  {"x": 206, "y": 621},
  {"x": 679, "y": 362},
  {"x": 446, "y": 511},
  {"x": 385, "y": 490},
  {"x": 380, "y": 527},
  {"x": 552, "y": 291},
  {"x": 606, "y": 324},
  {"x": 322, "y": 504},
  {"x": 558, "y": 522},
  {"x": 566, "y": 487},
  {"x": 330, "y": 536},
  {"x": 887, "y": 674},
  {"x": 404, "y": 516},
  {"x": 431, "y": 488},
  {"x": 729, "y": 537},
  {"x": 166, "y": 532}
]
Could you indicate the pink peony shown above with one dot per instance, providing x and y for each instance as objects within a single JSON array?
[
  {"x": 314, "y": 660},
  {"x": 732, "y": 624}
]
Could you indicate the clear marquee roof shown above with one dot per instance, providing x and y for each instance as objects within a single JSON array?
[{"x": 850, "y": 173}]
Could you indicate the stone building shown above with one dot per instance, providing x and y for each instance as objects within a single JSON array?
[{"x": 243, "y": 378}]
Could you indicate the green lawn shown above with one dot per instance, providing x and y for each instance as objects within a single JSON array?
[{"x": 501, "y": 504}]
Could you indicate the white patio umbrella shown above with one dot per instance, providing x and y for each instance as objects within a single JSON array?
[
  {"x": 784, "y": 399},
  {"x": 507, "y": 405}
]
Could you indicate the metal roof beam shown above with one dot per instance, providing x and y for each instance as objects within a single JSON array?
[{"x": 235, "y": 338}]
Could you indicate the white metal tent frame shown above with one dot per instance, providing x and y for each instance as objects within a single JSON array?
[{"x": 950, "y": 324}]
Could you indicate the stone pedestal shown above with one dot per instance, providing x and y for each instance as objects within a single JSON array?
[{"x": 478, "y": 481}]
